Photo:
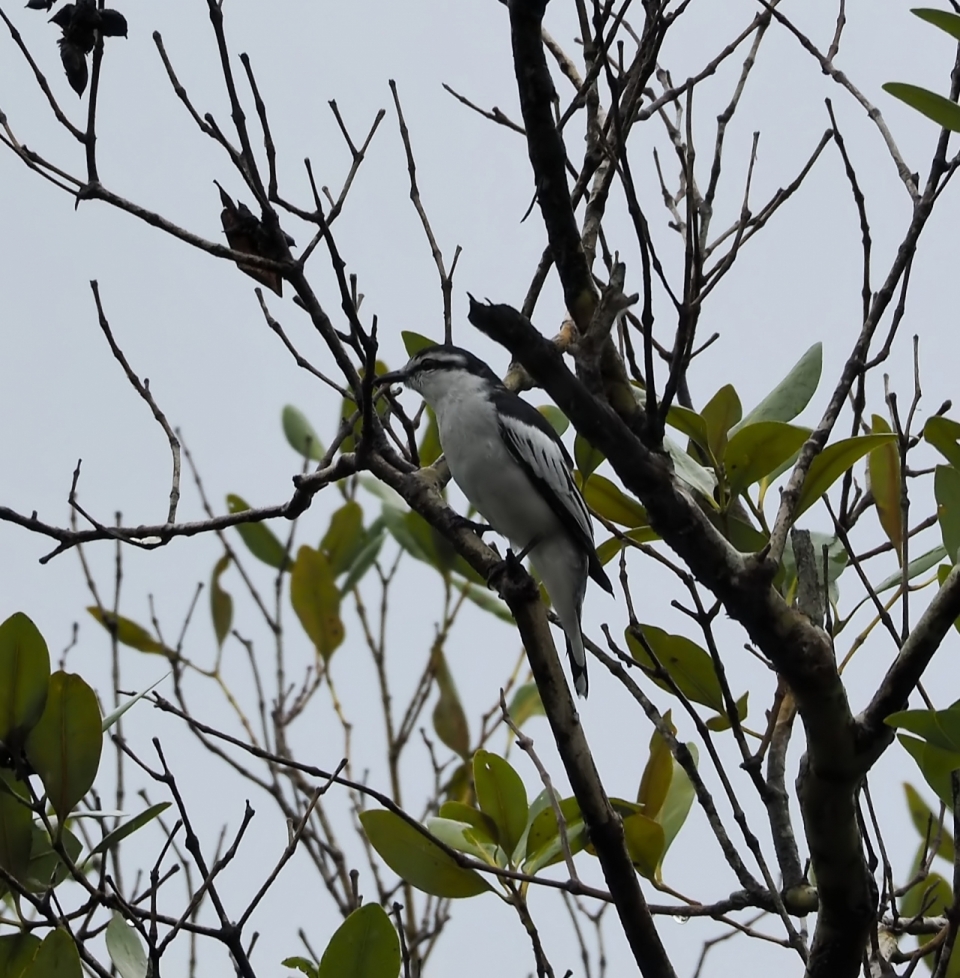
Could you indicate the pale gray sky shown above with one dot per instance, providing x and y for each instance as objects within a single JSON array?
[{"x": 192, "y": 325}]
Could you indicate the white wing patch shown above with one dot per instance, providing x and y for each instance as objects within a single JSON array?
[{"x": 544, "y": 463}]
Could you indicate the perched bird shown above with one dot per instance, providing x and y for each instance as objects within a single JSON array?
[{"x": 512, "y": 466}]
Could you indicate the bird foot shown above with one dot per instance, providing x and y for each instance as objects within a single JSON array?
[{"x": 474, "y": 526}]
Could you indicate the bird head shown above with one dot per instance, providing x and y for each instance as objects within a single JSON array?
[{"x": 441, "y": 371}]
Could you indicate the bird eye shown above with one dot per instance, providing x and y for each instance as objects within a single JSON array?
[{"x": 428, "y": 364}]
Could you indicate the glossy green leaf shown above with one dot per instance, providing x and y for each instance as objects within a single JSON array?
[
  {"x": 16, "y": 827},
  {"x": 586, "y": 456},
  {"x": 690, "y": 423},
  {"x": 111, "y": 718},
  {"x": 558, "y": 420},
  {"x": 832, "y": 462},
  {"x": 366, "y": 558},
  {"x": 46, "y": 868},
  {"x": 24, "y": 674},
  {"x": 125, "y": 948},
  {"x": 942, "y": 111},
  {"x": 657, "y": 773},
  {"x": 758, "y": 449},
  {"x": 928, "y": 825},
  {"x": 690, "y": 666},
  {"x": 16, "y": 953},
  {"x": 316, "y": 600},
  {"x": 129, "y": 632},
  {"x": 415, "y": 342},
  {"x": 940, "y": 727},
  {"x": 344, "y": 538},
  {"x": 221, "y": 603},
  {"x": 129, "y": 827},
  {"x": 543, "y": 845},
  {"x": 417, "y": 860},
  {"x": 792, "y": 394},
  {"x": 943, "y": 19},
  {"x": 430, "y": 448},
  {"x": 691, "y": 472},
  {"x": 449, "y": 720},
  {"x": 525, "y": 703},
  {"x": 920, "y": 565},
  {"x": 676, "y": 806},
  {"x": 463, "y": 837},
  {"x": 944, "y": 435},
  {"x": 300, "y": 434},
  {"x": 258, "y": 537},
  {"x": 611, "y": 503},
  {"x": 57, "y": 957},
  {"x": 720, "y": 414},
  {"x": 884, "y": 468},
  {"x": 483, "y": 598},
  {"x": 722, "y": 720},
  {"x": 484, "y": 828},
  {"x": 302, "y": 965},
  {"x": 645, "y": 843},
  {"x": 365, "y": 945},
  {"x": 502, "y": 796},
  {"x": 935, "y": 765},
  {"x": 64, "y": 747},
  {"x": 946, "y": 488}
]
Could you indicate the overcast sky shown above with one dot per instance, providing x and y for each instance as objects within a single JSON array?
[{"x": 192, "y": 325}]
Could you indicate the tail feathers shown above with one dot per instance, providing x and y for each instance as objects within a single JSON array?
[{"x": 578, "y": 665}]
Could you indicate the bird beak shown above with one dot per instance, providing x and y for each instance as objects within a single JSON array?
[{"x": 394, "y": 377}]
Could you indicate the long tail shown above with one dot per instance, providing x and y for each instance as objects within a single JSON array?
[{"x": 578, "y": 663}]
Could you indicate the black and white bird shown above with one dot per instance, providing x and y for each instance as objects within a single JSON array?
[{"x": 510, "y": 463}]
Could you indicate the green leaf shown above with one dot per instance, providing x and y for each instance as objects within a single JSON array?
[
  {"x": 483, "y": 826},
  {"x": 915, "y": 568},
  {"x": 935, "y": 765},
  {"x": 300, "y": 434},
  {"x": 832, "y": 462},
  {"x": 758, "y": 449},
  {"x": 676, "y": 806},
  {"x": 449, "y": 720},
  {"x": 884, "y": 468},
  {"x": 946, "y": 488},
  {"x": 430, "y": 448},
  {"x": 927, "y": 824},
  {"x": 57, "y": 957},
  {"x": 365, "y": 945},
  {"x": 129, "y": 632},
  {"x": 415, "y": 342},
  {"x": 24, "y": 674},
  {"x": 558, "y": 420},
  {"x": 612, "y": 547},
  {"x": 16, "y": 953},
  {"x": 221, "y": 603},
  {"x": 691, "y": 472},
  {"x": 301, "y": 964},
  {"x": 690, "y": 423},
  {"x": 46, "y": 868},
  {"x": 690, "y": 667},
  {"x": 525, "y": 703},
  {"x": 645, "y": 843},
  {"x": 129, "y": 827},
  {"x": 483, "y": 598},
  {"x": 942, "y": 111},
  {"x": 366, "y": 558},
  {"x": 16, "y": 827},
  {"x": 943, "y": 19},
  {"x": 940, "y": 727},
  {"x": 316, "y": 600},
  {"x": 344, "y": 538},
  {"x": 720, "y": 414},
  {"x": 417, "y": 860},
  {"x": 613, "y": 504},
  {"x": 502, "y": 796},
  {"x": 463, "y": 837},
  {"x": 722, "y": 720},
  {"x": 931, "y": 896},
  {"x": 258, "y": 537},
  {"x": 111, "y": 718},
  {"x": 412, "y": 532},
  {"x": 792, "y": 394},
  {"x": 125, "y": 950},
  {"x": 543, "y": 846},
  {"x": 64, "y": 747},
  {"x": 586, "y": 456},
  {"x": 943, "y": 434},
  {"x": 837, "y": 559},
  {"x": 657, "y": 774}
]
